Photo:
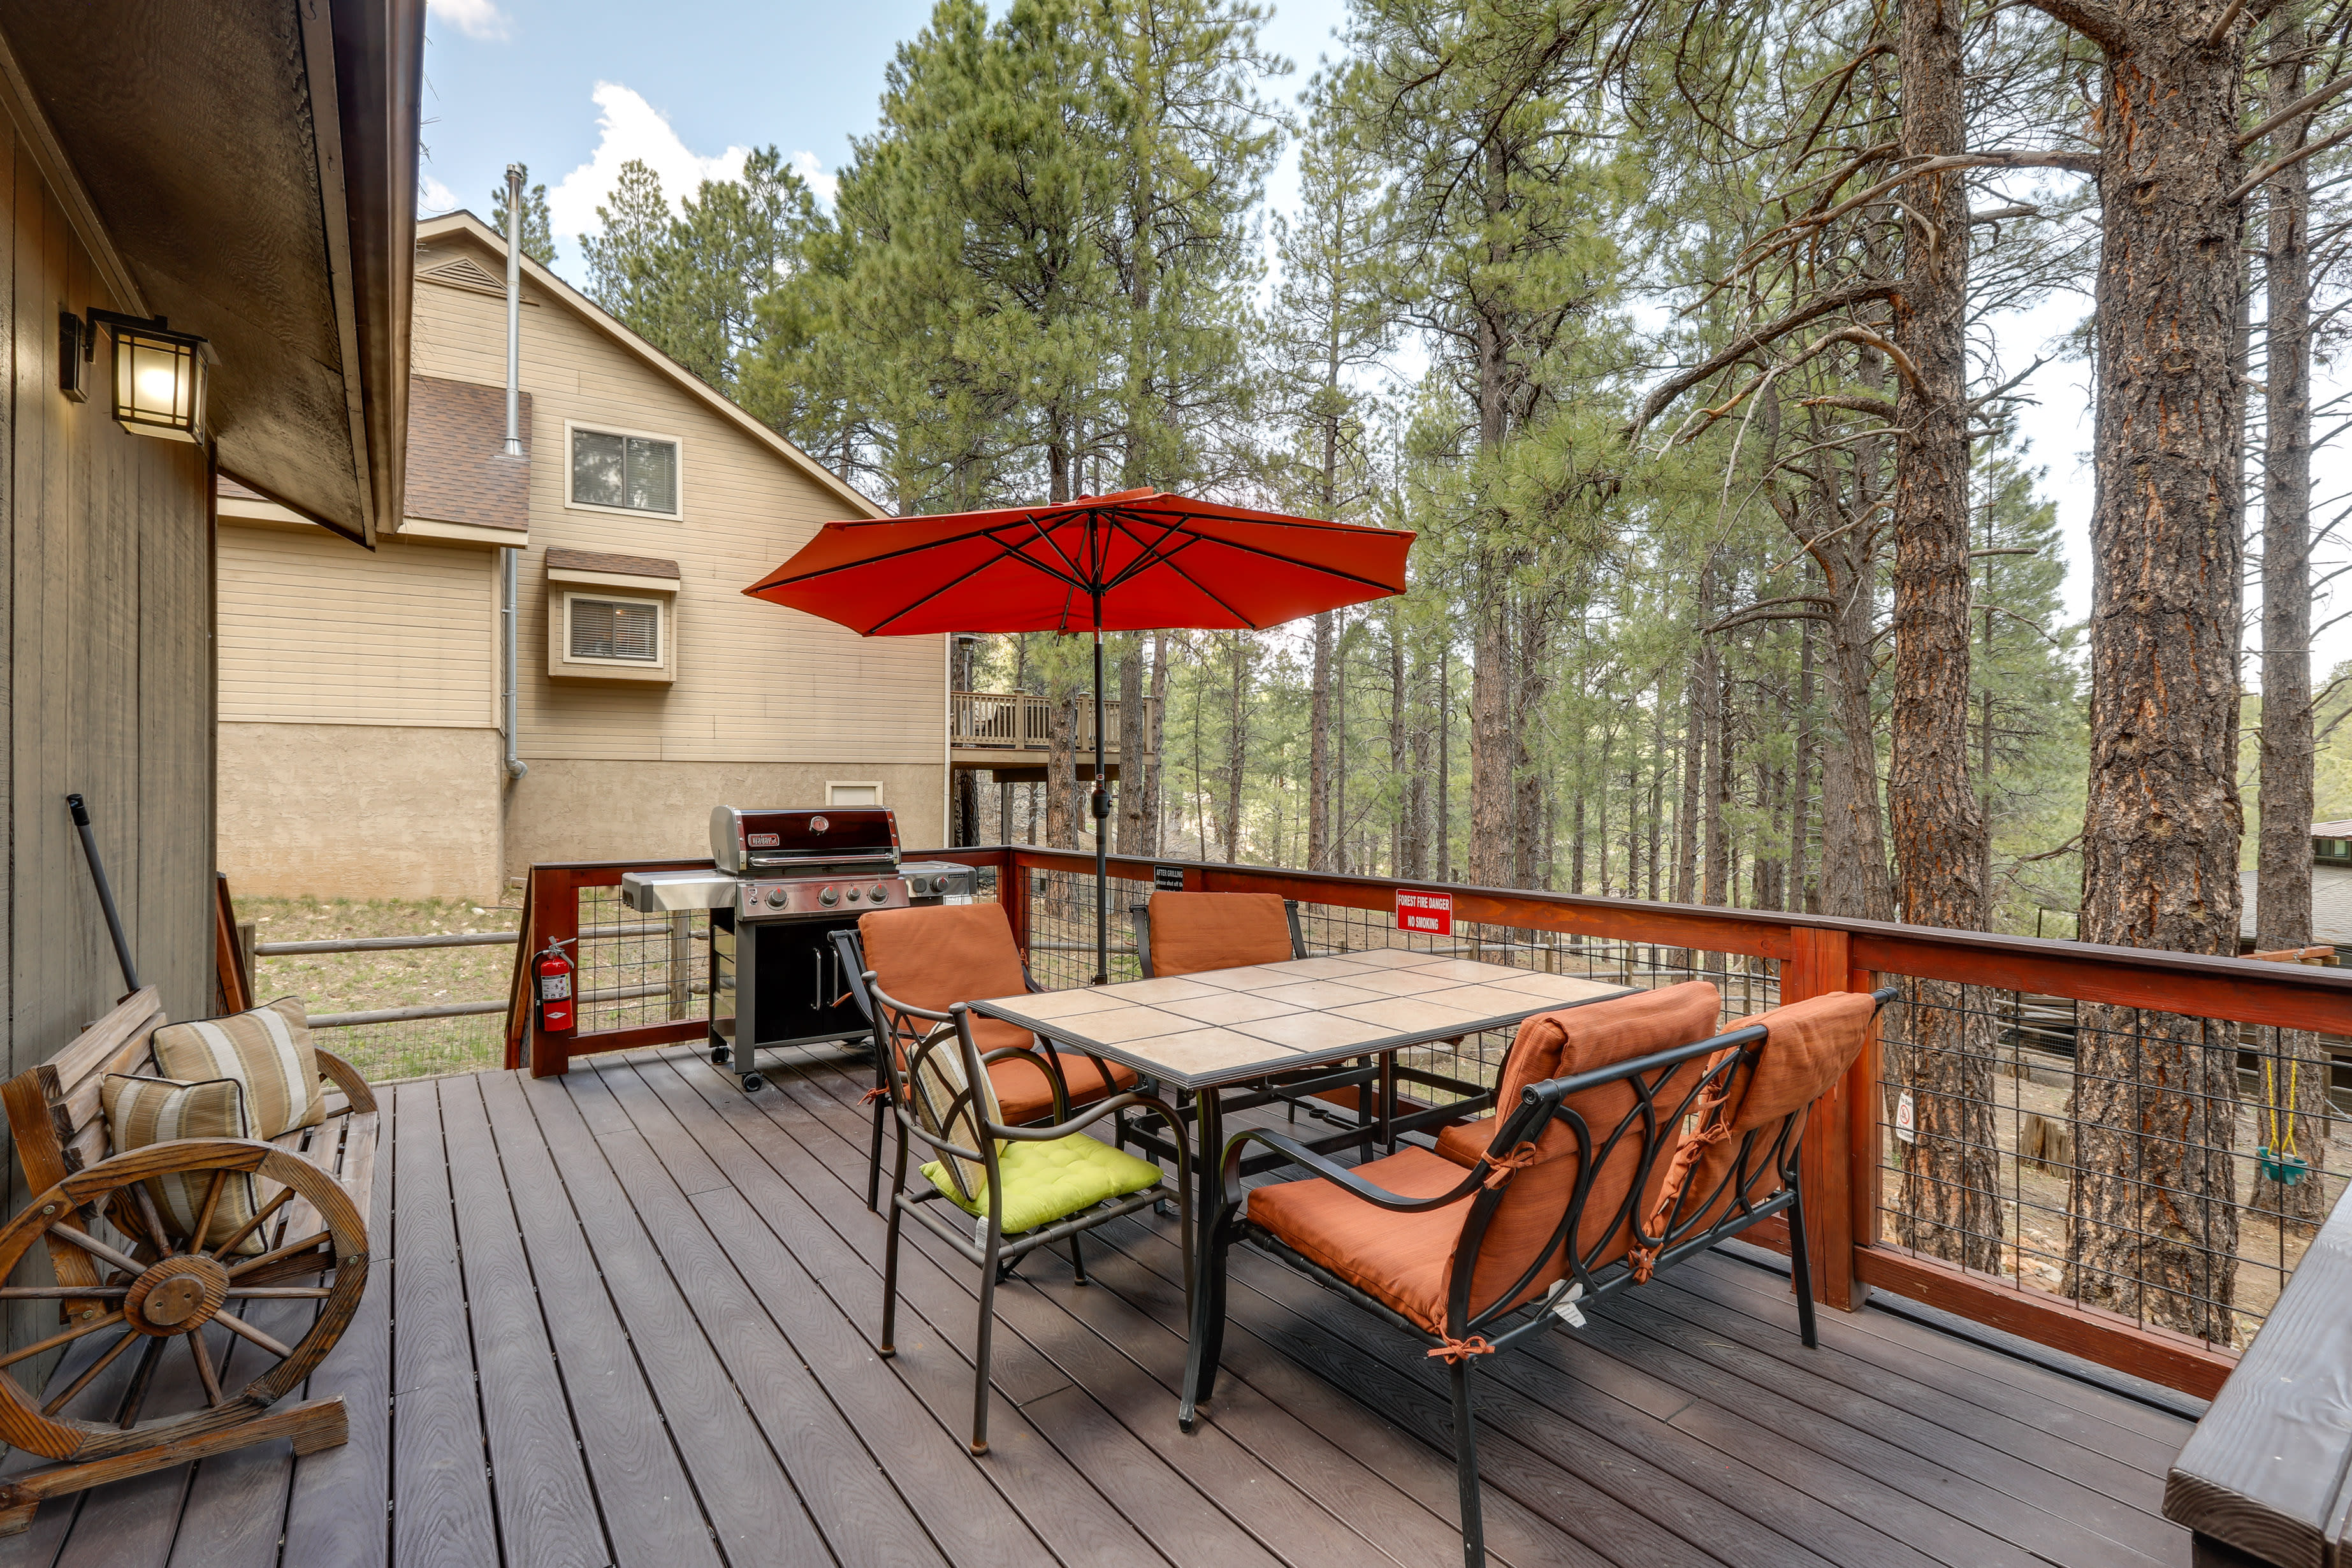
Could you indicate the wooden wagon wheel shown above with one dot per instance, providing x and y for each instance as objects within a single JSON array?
[{"x": 157, "y": 1289}]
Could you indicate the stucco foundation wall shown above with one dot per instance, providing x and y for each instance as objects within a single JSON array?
[
  {"x": 579, "y": 810},
  {"x": 360, "y": 811}
]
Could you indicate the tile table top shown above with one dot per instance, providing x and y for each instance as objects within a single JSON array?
[{"x": 1225, "y": 1026}]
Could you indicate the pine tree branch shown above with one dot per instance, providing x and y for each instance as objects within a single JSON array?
[
  {"x": 2287, "y": 161},
  {"x": 2300, "y": 106},
  {"x": 1748, "y": 343},
  {"x": 2093, "y": 20}
]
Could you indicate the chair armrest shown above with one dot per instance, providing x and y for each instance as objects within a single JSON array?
[
  {"x": 1339, "y": 1175},
  {"x": 347, "y": 1078}
]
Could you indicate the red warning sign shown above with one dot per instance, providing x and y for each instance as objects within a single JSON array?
[{"x": 1431, "y": 913}]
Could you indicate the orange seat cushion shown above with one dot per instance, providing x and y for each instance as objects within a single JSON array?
[
  {"x": 933, "y": 958},
  {"x": 1026, "y": 1095},
  {"x": 1193, "y": 932},
  {"x": 1406, "y": 1260}
]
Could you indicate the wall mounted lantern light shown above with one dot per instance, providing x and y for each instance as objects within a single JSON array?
[{"x": 159, "y": 374}]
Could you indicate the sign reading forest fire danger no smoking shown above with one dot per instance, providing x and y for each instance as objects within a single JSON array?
[{"x": 1430, "y": 913}]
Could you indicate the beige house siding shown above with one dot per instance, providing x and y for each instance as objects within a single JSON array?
[
  {"x": 316, "y": 631},
  {"x": 755, "y": 683},
  {"x": 360, "y": 811},
  {"x": 371, "y": 683}
]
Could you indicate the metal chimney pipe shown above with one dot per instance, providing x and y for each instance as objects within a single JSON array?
[
  {"x": 514, "y": 310},
  {"x": 516, "y": 766}
]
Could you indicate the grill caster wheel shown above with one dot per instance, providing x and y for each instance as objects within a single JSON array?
[
  {"x": 753, "y": 1083},
  {"x": 719, "y": 1055}
]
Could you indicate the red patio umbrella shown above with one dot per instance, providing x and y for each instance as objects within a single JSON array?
[{"x": 1134, "y": 560}]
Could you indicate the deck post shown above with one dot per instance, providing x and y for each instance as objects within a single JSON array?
[
  {"x": 1012, "y": 892},
  {"x": 1818, "y": 962},
  {"x": 555, "y": 917}
]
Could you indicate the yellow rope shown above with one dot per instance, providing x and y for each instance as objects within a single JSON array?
[{"x": 2270, "y": 1103}]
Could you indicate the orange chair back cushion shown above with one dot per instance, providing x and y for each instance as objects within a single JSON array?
[
  {"x": 931, "y": 958},
  {"x": 1193, "y": 932},
  {"x": 1807, "y": 1047}
]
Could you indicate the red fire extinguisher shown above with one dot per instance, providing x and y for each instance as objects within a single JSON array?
[{"x": 552, "y": 968}]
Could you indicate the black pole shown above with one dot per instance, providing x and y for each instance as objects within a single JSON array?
[
  {"x": 105, "y": 892},
  {"x": 1102, "y": 821}
]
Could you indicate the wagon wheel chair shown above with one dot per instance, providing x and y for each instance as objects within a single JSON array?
[{"x": 157, "y": 1287}]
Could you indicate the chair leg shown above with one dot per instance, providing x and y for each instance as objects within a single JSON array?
[
  {"x": 987, "y": 1325},
  {"x": 873, "y": 1163},
  {"x": 889, "y": 1346},
  {"x": 1205, "y": 1285},
  {"x": 1078, "y": 1263},
  {"x": 1466, "y": 1469},
  {"x": 1801, "y": 1270}
]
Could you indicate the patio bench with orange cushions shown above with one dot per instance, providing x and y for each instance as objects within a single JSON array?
[
  {"x": 146, "y": 1246},
  {"x": 1629, "y": 1136},
  {"x": 934, "y": 957}
]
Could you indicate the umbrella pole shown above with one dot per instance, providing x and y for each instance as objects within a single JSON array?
[{"x": 1100, "y": 805}]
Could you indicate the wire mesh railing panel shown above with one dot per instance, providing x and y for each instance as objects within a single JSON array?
[
  {"x": 636, "y": 969},
  {"x": 2167, "y": 1167},
  {"x": 1062, "y": 927}
]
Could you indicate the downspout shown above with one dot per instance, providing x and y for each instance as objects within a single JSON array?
[{"x": 516, "y": 767}]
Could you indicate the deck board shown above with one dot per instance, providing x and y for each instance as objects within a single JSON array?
[{"x": 630, "y": 1316}]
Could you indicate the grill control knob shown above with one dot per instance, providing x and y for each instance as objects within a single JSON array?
[
  {"x": 878, "y": 893},
  {"x": 853, "y": 895},
  {"x": 828, "y": 898},
  {"x": 918, "y": 886},
  {"x": 779, "y": 897}
]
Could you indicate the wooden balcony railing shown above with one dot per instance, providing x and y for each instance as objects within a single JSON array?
[
  {"x": 1022, "y": 721},
  {"x": 1761, "y": 958}
]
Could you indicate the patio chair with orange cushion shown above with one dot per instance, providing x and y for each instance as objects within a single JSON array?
[
  {"x": 935, "y": 957},
  {"x": 1581, "y": 1185}
]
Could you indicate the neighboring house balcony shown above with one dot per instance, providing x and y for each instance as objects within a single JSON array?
[{"x": 1011, "y": 732}]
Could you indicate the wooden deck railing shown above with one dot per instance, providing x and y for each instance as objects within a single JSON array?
[
  {"x": 1808, "y": 954},
  {"x": 1022, "y": 721}
]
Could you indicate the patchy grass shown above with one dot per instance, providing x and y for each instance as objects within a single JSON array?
[{"x": 412, "y": 977}]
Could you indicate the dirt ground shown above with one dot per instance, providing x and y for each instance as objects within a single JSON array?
[{"x": 412, "y": 977}]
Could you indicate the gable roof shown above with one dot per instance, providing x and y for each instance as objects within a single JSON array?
[{"x": 461, "y": 223}]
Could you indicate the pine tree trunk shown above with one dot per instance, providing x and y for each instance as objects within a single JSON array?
[
  {"x": 1400, "y": 816},
  {"x": 1155, "y": 760},
  {"x": 1134, "y": 740},
  {"x": 1529, "y": 868},
  {"x": 1490, "y": 739},
  {"x": 1318, "y": 751},
  {"x": 2295, "y": 1113},
  {"x": 1949, "y": 1203},
  {"x": 1061, "y": 758},
  {"x": 1853, "y": 880},
  {"x": 1236, "y": 748},
  {"x": 2155, "y": 1096},
  {"x": 1800, "y": 831}
]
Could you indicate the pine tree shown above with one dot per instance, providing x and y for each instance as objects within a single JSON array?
[{"x": 538, "y": 227}]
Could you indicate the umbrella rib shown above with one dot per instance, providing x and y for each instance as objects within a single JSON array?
[
  {"x": 1153, "y": 550},
  {"x": 1294, "y": 561},
  {"x": 1178, "y": 568},
  {"x": 1003, "y": 552},
  {"x": 988, "y": 532}
]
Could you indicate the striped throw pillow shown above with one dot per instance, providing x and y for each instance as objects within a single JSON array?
[
  {"x": 143, "y": 1110},
  {"x": 937, "y": 1086},
  {"x": 268, "y": 1050}
]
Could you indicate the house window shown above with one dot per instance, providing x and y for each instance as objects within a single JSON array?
[
  {"x": 614, "y": 631},
  {"x": 624, "y": 472},
  {"x": 853, "y": 795}
]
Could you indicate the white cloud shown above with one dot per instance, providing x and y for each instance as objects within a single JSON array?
[
  {"x": 628, "y": 126},
  {"x": 475, "y": 18},
  {"x": 433, "y": 197},
  {"x": 826, "y": 186}
]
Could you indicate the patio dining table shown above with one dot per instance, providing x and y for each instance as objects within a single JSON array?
[{"x": 1220, "y": 1029}]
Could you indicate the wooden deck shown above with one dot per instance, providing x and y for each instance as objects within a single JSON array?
[{"x": 626, "y": 1317}]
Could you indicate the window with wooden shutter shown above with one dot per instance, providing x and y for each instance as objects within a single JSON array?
[{"x": 627, "y": 630}]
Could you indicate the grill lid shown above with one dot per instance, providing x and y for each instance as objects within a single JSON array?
[{"x": 787, "y": 841}]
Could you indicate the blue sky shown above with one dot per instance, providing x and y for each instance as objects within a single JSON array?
[{"x": 576, "y": 88}]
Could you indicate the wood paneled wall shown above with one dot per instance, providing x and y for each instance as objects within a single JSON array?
[{"x": 107, "y": 621}]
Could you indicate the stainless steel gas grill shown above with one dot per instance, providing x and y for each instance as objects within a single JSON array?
[{"x": 781, "y": 882}]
